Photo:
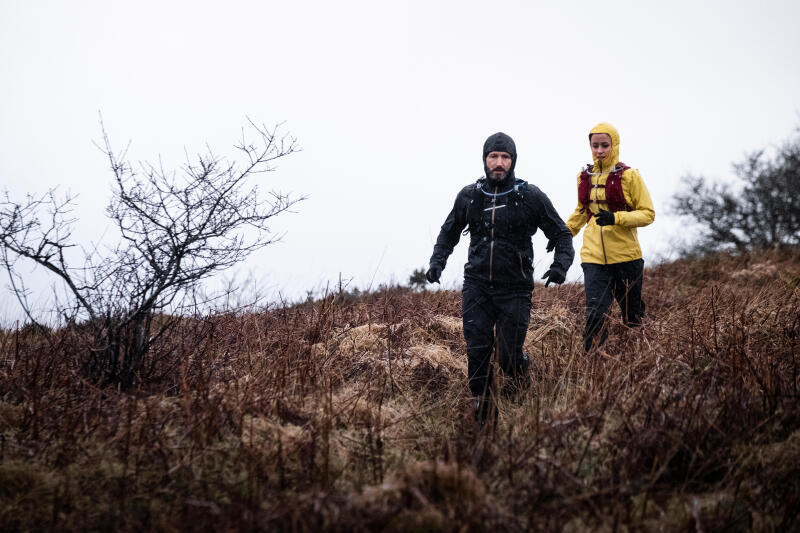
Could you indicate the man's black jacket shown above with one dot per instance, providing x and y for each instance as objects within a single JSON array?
[{"x": 501, "y": 218}]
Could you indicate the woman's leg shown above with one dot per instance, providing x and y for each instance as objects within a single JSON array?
[
  {"x": 628, "y": 291},
  {"x": 598, "y": 284}
]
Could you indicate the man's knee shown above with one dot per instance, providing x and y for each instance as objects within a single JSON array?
[
  {"x": 480, "y": 374},
  {"x": 478, "y": 329}
]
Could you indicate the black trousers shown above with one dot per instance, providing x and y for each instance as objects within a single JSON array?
[
  {"x": 604, "y": 283},
  {"x": 484, "y": 310}
]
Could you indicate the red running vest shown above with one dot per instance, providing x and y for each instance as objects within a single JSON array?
[{"x": 615, "y": 198}]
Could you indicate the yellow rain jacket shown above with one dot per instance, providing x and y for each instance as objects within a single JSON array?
[{"x": 616, "y": 243}]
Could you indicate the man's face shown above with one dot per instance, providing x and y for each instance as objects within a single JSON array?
[
  {"x": 498, "y": 163},
  {"x": 601, "y": 145}
]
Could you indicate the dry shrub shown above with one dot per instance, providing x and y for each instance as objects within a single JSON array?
[
  {"x": 434, "y": 367},
  {"x": 429, "y": 496},
  {"x": 439, "y": 330}
]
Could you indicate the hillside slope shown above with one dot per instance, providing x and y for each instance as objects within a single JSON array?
[{"x": 352, "y": 414}]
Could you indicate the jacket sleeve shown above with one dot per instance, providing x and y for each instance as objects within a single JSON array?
[
  {"x": 637, "y": 196},
  {"x": 555, "y": 230},
  {"x": 451, "y": 230},
  {"x": 578, "y": 217}
]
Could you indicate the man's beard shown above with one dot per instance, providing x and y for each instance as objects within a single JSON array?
[{"x": 498, "y": 177}]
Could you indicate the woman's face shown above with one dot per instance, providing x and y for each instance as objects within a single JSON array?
[{"x": 601, "y": 145}]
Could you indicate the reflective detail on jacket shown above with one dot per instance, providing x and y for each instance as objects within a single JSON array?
[{"x": 619, "y": 242}]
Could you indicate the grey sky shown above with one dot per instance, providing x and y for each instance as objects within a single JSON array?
[{"x": 391, "y": 103}]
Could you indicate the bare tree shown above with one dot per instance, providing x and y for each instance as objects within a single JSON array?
[{"x": 177, "y": 229}]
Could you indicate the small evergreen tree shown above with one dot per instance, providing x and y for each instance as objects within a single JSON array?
[{"x": 417, "y": 279}]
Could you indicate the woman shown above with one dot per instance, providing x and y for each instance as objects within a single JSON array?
[{"x": 612, "y": 202}]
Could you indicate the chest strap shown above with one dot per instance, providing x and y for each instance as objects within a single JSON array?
[{"x": 482, "y": 199}]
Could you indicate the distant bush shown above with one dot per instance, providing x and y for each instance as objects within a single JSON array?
[{"x": 761, "y": 210}]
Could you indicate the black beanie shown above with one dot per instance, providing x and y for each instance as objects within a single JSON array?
[{"x": 500, "y": 142}]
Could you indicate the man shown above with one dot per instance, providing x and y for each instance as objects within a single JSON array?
[{"x": 501, "y": 214}]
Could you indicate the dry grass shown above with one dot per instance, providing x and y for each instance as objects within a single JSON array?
[{"x": 354, "y": 416}]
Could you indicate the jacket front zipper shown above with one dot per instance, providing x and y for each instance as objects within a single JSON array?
[
  {"x": 597, "y": 201},
  {"x": 603, "y": 244},
  {"x": 491, "y": 241}
]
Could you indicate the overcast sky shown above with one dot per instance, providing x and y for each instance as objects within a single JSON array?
[{"x": 391, "y": 102}]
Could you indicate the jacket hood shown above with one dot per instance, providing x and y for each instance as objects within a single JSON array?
[
  {"x": 500, "y": 142},
  {"x": 613, "y": 157}
]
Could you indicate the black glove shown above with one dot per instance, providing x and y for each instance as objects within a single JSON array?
[
  {"x": 605, "y": 218},
  {"x": 554, "y": 275},
  {"x": 433, "y": 274},
  {"x": 551, "y": 245}
]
